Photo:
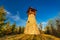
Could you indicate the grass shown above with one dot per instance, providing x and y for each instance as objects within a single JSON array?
[{"x": 29, "y": 37}]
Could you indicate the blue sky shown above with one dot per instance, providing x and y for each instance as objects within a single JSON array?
[{"x": 16, "y": 10}]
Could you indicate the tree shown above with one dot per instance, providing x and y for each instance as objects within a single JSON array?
[
  {"x": 53, "y": 30},
  {"x": 13, "y": 27},
  {"x": 22, "y": 29},
  {"x": 58, "y": 25},
  {"x": 50, "y": 27},
  {"x": 40, "y": 27},
  {"x": 19, "y": 29},
  {"x": 47, "y": 31},
  {"x": 2, "y": 19},
  {"x": 8, "y": 28}
]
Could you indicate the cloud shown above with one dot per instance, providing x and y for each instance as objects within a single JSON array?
[
  {"x": 16, "y": 17},
  {"x": 8, "y": 13},
  {"x": 44, "y": 22},
  {"x": 44, "y": 25}
]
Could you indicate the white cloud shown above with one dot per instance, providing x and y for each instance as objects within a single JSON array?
[
  {"x": 16, "y": 17},
  {"x": 44, "y": 22},
  {"x": 8, "y": 13},
  {"x": 44, "y": 25}
]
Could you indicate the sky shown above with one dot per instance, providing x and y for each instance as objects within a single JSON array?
[{"x": 17, "y": 10}]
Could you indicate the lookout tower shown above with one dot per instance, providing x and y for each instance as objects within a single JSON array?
[{"x": 31, "y": 26}]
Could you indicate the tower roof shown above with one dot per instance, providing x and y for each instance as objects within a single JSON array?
[{"x": 32, "y": 9}]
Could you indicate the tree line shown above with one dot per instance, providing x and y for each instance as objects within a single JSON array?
[
  {"x": 52, "y": 27},
  {"x": 6, "y": 28}
]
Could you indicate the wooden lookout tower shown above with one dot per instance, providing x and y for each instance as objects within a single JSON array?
[{"x": 31, "y": 25}]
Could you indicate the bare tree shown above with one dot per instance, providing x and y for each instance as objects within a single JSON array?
[{"x": 40, "y": 27}]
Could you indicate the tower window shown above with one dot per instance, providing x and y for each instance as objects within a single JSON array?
[{"x": 28, "y": 21}]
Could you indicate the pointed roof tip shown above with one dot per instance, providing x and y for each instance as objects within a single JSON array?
[{"x": 31, "y": 9}]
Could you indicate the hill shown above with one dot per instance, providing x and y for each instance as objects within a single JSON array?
[{"x": 29, "y": 37}]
